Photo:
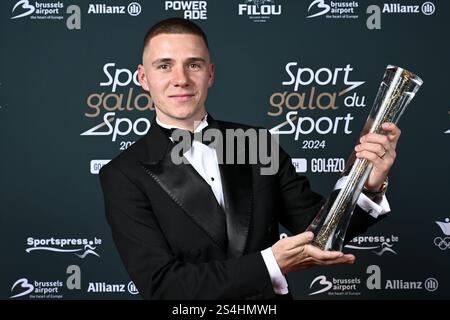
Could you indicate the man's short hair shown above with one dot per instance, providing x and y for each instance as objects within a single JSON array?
[{"x": 174, "y": 26}]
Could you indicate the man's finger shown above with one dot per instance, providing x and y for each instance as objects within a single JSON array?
[
  {"x": 344, "y": 259},
  {"x": 303, "y": 238},
  {"x": 322, "y": 255},
  {"x": 392, "y": 132}
]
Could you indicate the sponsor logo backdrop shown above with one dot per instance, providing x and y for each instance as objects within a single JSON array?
[{"x": 308, "y": 70}]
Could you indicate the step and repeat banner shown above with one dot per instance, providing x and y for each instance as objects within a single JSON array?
[{"x": 70, "y": 101}]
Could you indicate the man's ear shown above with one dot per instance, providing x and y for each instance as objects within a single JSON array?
[
  {"x": 211, "y": 74},
  {"x": 142, "y": 77}
]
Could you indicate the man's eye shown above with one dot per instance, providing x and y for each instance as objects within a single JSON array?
[
  {"x": 163, "y": 67},
  {"x": 194, "y": 66}
]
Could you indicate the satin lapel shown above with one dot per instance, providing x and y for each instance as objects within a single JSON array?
[
  {"x": 238, "y": 196},
  {"x": 191, "y": 192}
]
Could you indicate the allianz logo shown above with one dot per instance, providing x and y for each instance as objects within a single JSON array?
[
  {"x": 104, "y": 287},
  {"x": 376, "y": 282}
]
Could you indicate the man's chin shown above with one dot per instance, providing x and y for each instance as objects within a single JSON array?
[{"x": 187, "y": 114}]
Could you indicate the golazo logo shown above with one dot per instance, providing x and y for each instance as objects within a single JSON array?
[
  {"x": 23, "y": 282},
  {"x": 443, "y": 243},
  {"x": 79, "y": 247}
]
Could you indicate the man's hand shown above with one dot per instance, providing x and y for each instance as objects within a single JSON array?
[
  {"x": 296, "y": 253},
  {"x": 379, "y": 149}
]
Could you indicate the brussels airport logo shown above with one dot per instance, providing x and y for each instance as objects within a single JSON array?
[
  {"x": 315, "y": 91},
  {"x": 133, "y": 9},
  {"x": 80, "y": 247},
  {"x": 120, "y": 94},
  {"x": 46, "y": 289},
  {"x": 374, "y": 11},
  {"x": 443, "y": 242},
  {"x": 37, "y": 289},
  {"x": 44, "y": 11},
  {"x": 25, "y": 7},
  {"x": 376, "y": 282},
  {"x": 378, "y": 245},
  {"x": 333, "y": 9},
  {"x": 192, "y": 10},
  {"x": 335, "y": 286},
  {"x": 38, "y": 10},
  {"x": 259, "y": 10}
]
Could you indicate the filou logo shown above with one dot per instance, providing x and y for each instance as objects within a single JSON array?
[
  {"x": 259, "y": 7},
  {"x": 259, "y": 10}
]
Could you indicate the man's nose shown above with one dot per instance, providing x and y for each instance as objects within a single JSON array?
[{"x": 180, "y": 77}]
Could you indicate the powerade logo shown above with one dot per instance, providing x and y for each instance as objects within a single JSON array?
[
  {"x": 193, "y": 10},
  {"x": 80, "y": 247}
]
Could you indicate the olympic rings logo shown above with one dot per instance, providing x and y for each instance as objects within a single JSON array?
[{"x": 442, "y": 243}]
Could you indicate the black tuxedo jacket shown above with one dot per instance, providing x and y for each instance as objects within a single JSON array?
[{"x": 175, "y": 240}]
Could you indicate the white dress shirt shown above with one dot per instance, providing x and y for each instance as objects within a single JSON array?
[{"x": 204, "y": 160}]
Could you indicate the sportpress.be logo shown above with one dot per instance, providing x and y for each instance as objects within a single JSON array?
[{"x": 80, "y": 247}]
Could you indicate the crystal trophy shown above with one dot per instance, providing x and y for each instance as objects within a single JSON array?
[{"x": 394, "y": 94}]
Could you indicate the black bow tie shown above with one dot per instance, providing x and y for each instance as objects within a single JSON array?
[{"x": 177, "y": 135}]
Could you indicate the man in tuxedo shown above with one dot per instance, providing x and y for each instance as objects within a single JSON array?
[{"x": 205, "y": 229}]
